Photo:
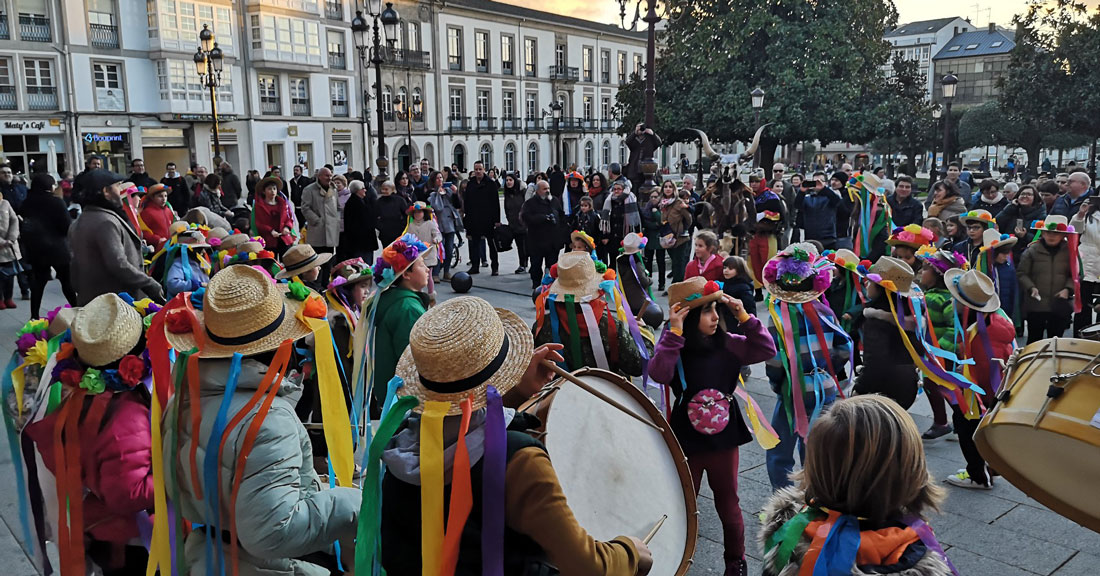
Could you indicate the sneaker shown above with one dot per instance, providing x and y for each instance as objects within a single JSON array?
[
  {"x": 936, "y": 432},
  {"x": 473, "y": 271},
  {"x": 485, "y": 263},
  {"x": 962, "y": 480},
  {"x": 520, "y": 270}
]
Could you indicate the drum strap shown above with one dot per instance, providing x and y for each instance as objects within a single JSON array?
[{"x": 574, "y": 332}]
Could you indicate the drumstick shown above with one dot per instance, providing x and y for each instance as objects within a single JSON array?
[
  {"x": 588, "y": 388},
  {"x": 656, "y": 527}
]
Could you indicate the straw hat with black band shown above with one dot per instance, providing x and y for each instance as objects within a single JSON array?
[
  {"x": 301, "y": 258},
  {"x": 973, "y": 289},
  {"x": 495, "y": 350},
  {"x": 105, "y": 330},
  {"x": 243, "y": 312},
  {"x": 694, "y": 292}
]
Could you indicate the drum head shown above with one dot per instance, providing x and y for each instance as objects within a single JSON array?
[{"x": 620, "y": 476}]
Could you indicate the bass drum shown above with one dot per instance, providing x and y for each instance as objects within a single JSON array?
[
  {"x": 619, "y": 475},
  {"x": 1043, "y": 436},
  {"x": 1091, "y": 333}
]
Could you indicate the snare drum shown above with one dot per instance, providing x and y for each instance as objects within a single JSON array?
[
  {"x": 619, "y": 475},
  {"x": 1044, "y": 434}
]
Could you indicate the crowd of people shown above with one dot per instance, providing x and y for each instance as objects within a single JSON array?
[{"x": 239, "y": 384}]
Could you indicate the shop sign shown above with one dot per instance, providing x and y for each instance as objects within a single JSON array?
[
  {"x": 204, "y": 117},
  {"x": 291, "y": 130},
  {"x": 341, "y": 130},
  {"x": 30, "y": 126},
  {"x": 92, "y": 138}
]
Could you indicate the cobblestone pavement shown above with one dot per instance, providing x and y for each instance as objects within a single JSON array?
[{"x": 1000, "y": 532}]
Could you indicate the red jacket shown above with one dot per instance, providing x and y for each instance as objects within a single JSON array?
[
  {"x": 1001, "y": 336},
  {"x": 116, "y": 465},
  {"x": 155, "y": 222},
  {"x": 713, "y": 271},
  {"x": 270, "y": 218}
]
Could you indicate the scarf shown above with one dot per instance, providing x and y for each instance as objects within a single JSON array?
[
  {"x": 594, "y": 191},
  {"x": 995, "y": 199},
  {"x": 939, "y": 205}
]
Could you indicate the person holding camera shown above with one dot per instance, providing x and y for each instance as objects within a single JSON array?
[
  {"x": 815, "y": 209},
  {"x": 642, "y": 145},
  {"x": 543, "y": 217}
]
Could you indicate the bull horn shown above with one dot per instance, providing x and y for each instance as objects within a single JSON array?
[
  {"x": 751, "y": 151},
  {"x": 706, "y": 143}
]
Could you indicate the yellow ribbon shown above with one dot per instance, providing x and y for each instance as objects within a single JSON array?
[
  {"x": 431, "y": 486},
  {"x": 334, "y": 411},
  {"x": 17, "y": 385},
  {"x": 917, "y": 358},
  {"x": 160, "y": 552},
  {"x": 763, "y": 432}
]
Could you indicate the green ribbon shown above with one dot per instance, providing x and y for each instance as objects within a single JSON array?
[
  {"x": 367, "y": 544},
  {"x": 574, "y": 333},
  {"x": 789, "y": 535}
]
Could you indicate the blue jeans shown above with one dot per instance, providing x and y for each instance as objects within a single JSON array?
[
  {"x": 780, "y": 460},
  {"x": 444, "y": 266}
]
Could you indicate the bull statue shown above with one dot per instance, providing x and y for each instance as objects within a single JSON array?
[{"x": 727, "y": 203}]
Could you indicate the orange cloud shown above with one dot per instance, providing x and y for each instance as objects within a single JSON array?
[{"x": 604, "y": 11}]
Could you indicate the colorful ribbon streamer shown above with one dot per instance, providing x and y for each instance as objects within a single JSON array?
[{"x": 431, "y": 486}]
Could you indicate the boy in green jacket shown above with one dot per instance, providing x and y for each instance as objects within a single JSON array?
[{"x": 941, "y": 312}]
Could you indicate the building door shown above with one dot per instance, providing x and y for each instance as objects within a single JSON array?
[{"x": 275, "y": 155}]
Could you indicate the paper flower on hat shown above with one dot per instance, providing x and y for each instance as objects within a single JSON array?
[
  {"x": 913, "y": 234},
  {"x": 53, "y": 313},
  {"x": 398, "y": 256},
  {"x": 131, "y": 369},
  {"x": 709, "y": 288},
  {"x": 93, "y": 381},
  {"x": 314, "y": 307},
  {"x": 1052, "y": 227},
  {"x": 298, "y": 291},
  {"x": 591, "y": 242},
  {"x": 37, "y": 354}
]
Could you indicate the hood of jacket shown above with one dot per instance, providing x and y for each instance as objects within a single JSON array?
[
  {"x": 214, "y": 373},
  {"x": 402, "y": 454}
]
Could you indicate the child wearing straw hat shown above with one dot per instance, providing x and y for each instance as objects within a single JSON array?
[
  {"x": 887, "y": 366},
  {"x": 105, "y": 416},
  {"x": 459, "y": 391},
  {"x": 976, "y": 223},
  {"x": 906, "y": 242},
  {"x": 259, "y": 469},
  {"x": 1049, "y": 277},
  {"x": 702, "y": 363},
  {"x": 422, "y": 224},
  {"x": 941, "y": 326},
  {"x": 989, "y": 340},
  {"x": 303, "y": 263}
]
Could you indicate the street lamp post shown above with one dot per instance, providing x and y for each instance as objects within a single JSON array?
[
  {"x": 950, "y": 84},
  {"x": 406, "y": 113},
  {"x": 389, "y": 19},
  {"x": 555, "y": 112},
  {"x": 936, "y": 113},
  {"x": 208, "y": 63},
  {"x": 757, "y": 95}
]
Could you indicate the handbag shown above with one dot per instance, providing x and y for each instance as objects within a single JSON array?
[
  {"x": 667, "y": 236},
  {"x": 503, "y": 237},
  {"x": 709, "y": 411}
]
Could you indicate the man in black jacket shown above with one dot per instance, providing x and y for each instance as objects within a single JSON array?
[
  {"x": 138, "y": 176},
  {"x": 177, "y": 185},
  {"x": 905, "y": 209},
  {"x": 297, "y": 184},
  {"x": 542, "y": 215},
  {"x": 231, "y": 185},
  {"x": 482, "y": 217}
]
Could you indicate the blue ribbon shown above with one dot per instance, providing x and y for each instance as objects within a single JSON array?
[
  {"x": 6, "y": 389},
  {"x": 838, "y": 555},
  {"x": 495, "y": 462},
  {"x": 211, "y": 466}
]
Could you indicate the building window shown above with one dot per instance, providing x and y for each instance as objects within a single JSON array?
[
  {"x": 286, "y": 39},
  {"x": 101, "y": 24},
  {"x": 507, "y": 55},
  {"x": 387, "y": 103},
  {"x": 559, "y": 56},
  {"x": 532, "y": 106},
  {"x": 338, "y": 91},
  {"x": 482, "y": 104},
  {"x": 606, "y": 152},
  {"x": 530, "y": 54},
  {"x": 459, "y": 157},
  {"x": 638, "y": 64},
  {"x": 586, "y": 63},
  {"x": 41, "y": 90},
  {"x": 7, "y": 87},
  {"x": 107, "y": 78},
  {"x": 605, "y": 66},
  {"x": 486, "y": 155},
  {"x": 532, "y": 157},
  {"x": 337, "y": 57},
  {"x": 414, "y": 36},
  {"x": 417, "y": 96},
  {"x": 589, "y": 154},
  {"x": 605, "y": 108},
  {"x": 510, "y": 157},
  {"x": 106, "y": 75},
  {"x": 622, "y": 153},
  {"x": 402, "y": 104},
  {"x": 481, "y": 51},
  {"x": 454, "y": 48},
  {"x": 181, "y": 21},
  {"x": 587, "y": 102},
  {"x": 508, "y": 105},
  {"x": 457, "y": 109},
  {"x": 622, "y": 68},
  {"x": 299, "y": 96}
]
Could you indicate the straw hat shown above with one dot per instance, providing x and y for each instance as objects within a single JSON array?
[
  {"x": 263, "y": 185},
  {"x": 243, "y": 311},
  {"x": 577, "y": 276},
  {"x": 348, "y": 272},
  {"x": 633, "y": 243},
  {"x": 973, "y": 289},
  {"x": 177, "y": 227},
  {"x": 979, "y": 216},
  {"x": 495, "y": 350},
  {"x": 302, "y": 258},
  {"x": 694, "y": 292},
  {"x": 892, "y": 274},
  {"x": 913, "y": 236},
  {"x": 1054, "y": 223},
  {"x": 62, "y": 321},
  {"x": 865, "y": 179},
  {"x": 105, "y": 330},
  {"x": 582, "y": 235},
  {"x": 992, "y": 239},
  {"x": 844, "y": 258},
  {"x": 192, "y": 239},
  {"x": 797, "y": 274},
  {"x": 398, "y": 257},
  {"x": 217, "y": 232},
  {"x": 232, "y": 241}
]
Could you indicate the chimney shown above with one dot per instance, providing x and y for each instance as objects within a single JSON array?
[{"x": 992, "y": 27}]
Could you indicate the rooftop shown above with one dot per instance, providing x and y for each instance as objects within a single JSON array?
[
  {"x": 984, "y": 42},
  {"x": 922, "y": 27},
  {"x": 540, "y": 16}
]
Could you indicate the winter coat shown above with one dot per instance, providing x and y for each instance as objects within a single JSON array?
[
  {"x": 678, "y": 217},
  {"x": 482, "y": 206},
  {"x": 887, "y": 366},
  {"x": 623, "y": 217},
  {"x": 107, "y": 257},
  {"x": 177, "y": 187},
  {"x": 155, "y": 222},
  {"x": 1069, "y": 207},
  {"x": 116, "y": 462},
  {"x": 143, "y": 180},
  {"x": 739, "y": 287},
  {"x": 398, "y": 309},
  {"x": 513, "y": 203},
  {"x": 980, "y": 203},
  {"x": 272, "y": 218},
  {"x": 322, "y": 211},
  {"x": 282, "y": 512},
  {"x": 1088, "y": 250},
  {"x": 45, "y": 229},
  {"x": 711, "y": 271},
  {"x": 1006, "y": 223},
  {"x": 816, "y": 214},
  {"x": 905, "y": 212},
  {"x": 1048, "y": 270},
  {"x": 176, "y": 281},
  {"x": 9, "y": 233},
  {"x": 968, "y": 249},
  {"x": 651, "y": 224},
  {"x": 360, "y": 220},
  {"x": 587, "y": 222},
  {"x": 542, "y": 217},
  {"x": 952, "y": 206},
  {"x": 391, "y": 217},
  {"x": 209, "y": 199},
  {"x": 15, "y": 193},
  {"x": 447, "y": 215},
  {"x": 231, "y": 188},
  {"x": 428, "y": 233},
  {"x": 1008, "y": 287},
  {"x": 788, "y": 502}
]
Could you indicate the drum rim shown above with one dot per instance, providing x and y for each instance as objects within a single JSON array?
[{"x": 678, "y": 456}]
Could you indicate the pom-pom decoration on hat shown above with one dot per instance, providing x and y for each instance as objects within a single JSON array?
[
  {"x": 798, "y": 274},
  {"x": 398, "y": 257},
  {"x": 912, "y": 235}
]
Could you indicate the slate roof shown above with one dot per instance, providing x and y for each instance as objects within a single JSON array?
[
  {"x": 922, "y": 27},
  {"x": 977, "y": 43}
]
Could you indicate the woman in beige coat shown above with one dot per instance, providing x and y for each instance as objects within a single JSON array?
[{"x": 9, "y": 253}]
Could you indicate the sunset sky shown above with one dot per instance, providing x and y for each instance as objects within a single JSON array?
[{"x": 980, "y": 12}]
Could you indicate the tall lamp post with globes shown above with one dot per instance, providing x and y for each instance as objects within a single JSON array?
[
  {"x": 936, "y": 113},
  {"x": 757, "y": 95},
  {"x": 950, "y": 83},
  {"x": 208, "y": 64},
  {"x": 389, "y": 18}
]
